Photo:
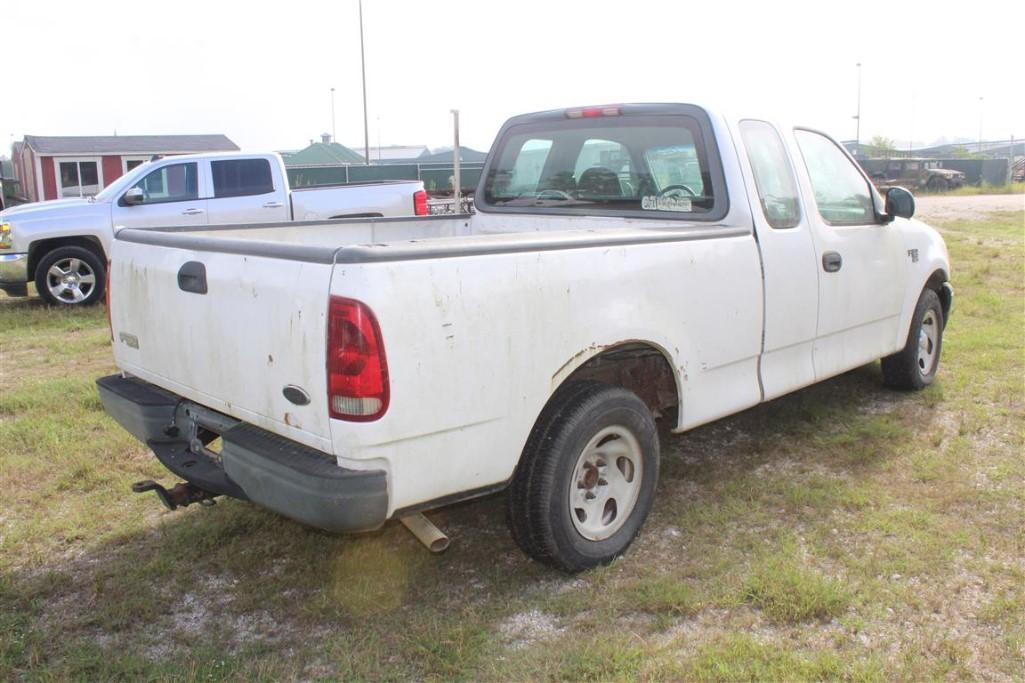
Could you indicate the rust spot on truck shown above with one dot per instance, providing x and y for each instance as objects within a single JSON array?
[{"x": 634, "y": 365}]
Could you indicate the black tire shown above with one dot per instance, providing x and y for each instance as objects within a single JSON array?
[
  {"x": 84, "y": 289},
  {"x": 916, "y": 365},
  {"x": 937, "y": 184},
  {"x": 539, "y": 506}
]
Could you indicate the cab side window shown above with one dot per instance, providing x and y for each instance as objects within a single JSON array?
[
  {"x": 171, "y": 183},
  {"x": 241, "y": 177},
  {"x": 841, "y": 192},
  {"x": 774, "y": 179}
]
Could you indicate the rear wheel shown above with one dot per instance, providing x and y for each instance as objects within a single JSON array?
[
  {"x": 586, "y": 481},
  {"x": 915, "y": 366},
  {"x": 70, "y": 276}
]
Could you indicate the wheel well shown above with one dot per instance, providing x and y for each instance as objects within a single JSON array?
[
  {"x": 37, "y": 250},
  {"x": 638, "y": 367},
  {"x": 935, "y": 283}
]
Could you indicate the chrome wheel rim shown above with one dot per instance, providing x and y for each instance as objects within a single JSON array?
[
  {"x": 928, "y": 336},
  {"x": 606, "y": 483},
  {"x": 70, "y": 280}
]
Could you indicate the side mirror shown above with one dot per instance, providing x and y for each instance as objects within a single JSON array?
[
  {"x": 899, "y": 203},
  {"x": 134, "y": 196}
]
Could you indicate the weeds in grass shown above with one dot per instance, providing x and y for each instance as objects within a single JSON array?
[{"x": 789, "y": 592}]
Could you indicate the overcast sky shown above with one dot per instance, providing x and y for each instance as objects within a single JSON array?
[{"x": 262, "y": 72}]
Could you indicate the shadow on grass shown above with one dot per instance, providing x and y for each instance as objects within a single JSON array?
[{"x": 244, "y": 587}]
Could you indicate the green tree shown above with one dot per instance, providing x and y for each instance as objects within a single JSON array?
[{"x": 882, "y": 146}]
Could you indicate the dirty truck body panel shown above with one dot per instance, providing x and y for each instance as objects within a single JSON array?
[{"x": 483, "y": 318}]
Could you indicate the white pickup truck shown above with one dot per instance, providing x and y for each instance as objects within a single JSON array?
[
  {"x": 626, "y": 264},
  {"x": 63, "y": 245}
]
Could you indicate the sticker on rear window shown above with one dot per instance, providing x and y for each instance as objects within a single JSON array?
[{"x": 665, "y": 203}]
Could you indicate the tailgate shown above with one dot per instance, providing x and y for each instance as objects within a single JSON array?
[{"x": 258, "y": 329}]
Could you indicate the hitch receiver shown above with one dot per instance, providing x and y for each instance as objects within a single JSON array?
[{"x": 181, "y": 495}]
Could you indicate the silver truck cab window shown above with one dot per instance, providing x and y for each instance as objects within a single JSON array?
[
  {"x": 774, "y": 178},
  {"x": 241, "y": 177},
  {"x": 171, "y": 183}
]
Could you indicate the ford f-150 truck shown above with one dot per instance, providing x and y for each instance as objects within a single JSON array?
[
  {"x": 626, "y": 264},
  {"x": 62, "y": 245}
]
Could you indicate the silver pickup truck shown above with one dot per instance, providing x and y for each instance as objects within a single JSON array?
[{"x": 63, "y": 245}]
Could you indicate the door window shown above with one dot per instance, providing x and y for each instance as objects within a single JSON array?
[
  {"x": 841, "y": 192},
  {"x": 241, "y": 177},
  {"x": 174, "y": 183},
  {"x": 774, "y": 179},
  {"x": 78, "y": 178}
]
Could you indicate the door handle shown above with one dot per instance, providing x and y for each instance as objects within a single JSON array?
[
  {"x": 273, "y": 205},
  {"x": 192, "y": 212},
  {"x": 192, "y": 277},
  {"x": 831, "y": 261}
]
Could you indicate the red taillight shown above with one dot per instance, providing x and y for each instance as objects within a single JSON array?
[
  {"x": 594, "y": 112},
  {"x": 106, "y": 300},
  {"x": 357, "y": 371},
  {"x": 420, "y": 203}
]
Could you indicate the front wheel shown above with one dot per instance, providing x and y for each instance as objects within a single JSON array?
[
  {"x": 586, "y": 481},
  {"x": 70, "y": 276},
  {"x": 916, "y": 365}
]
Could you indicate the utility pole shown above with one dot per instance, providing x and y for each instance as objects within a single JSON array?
[
  {"x": 980, "y": 124},
  {"x": 857, "y": 134},
  {"x": 457, "y": 185},
  {"x": 1010, "y": 162},
  {"x": 363, "y": 69},
  {"x": 911, "y": 139},
  {"x": 334, "y": 132}
]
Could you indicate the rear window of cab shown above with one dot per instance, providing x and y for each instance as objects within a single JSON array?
[{"x": 650, "y": 166}]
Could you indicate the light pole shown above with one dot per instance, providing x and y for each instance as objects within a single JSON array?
[
  {"x": 334, "y": 132},
  {"x": 363, "y": 69},
  {"x": 857, "y": 117},
  {"x": 980, "y": 125},
  {"x": 456, "y": 180}
]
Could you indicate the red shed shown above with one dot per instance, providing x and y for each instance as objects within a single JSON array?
[{"x": 50, "y": 167}]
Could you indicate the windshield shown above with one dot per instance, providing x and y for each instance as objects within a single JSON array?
[
  {"x": 608, "y": 165},
  {"x": 114, "y": 190}
]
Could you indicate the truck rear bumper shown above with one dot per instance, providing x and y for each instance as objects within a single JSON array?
[{"x": 292, "y": 479}]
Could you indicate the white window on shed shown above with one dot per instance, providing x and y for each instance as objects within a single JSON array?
[{"x": 78, "y": 177}]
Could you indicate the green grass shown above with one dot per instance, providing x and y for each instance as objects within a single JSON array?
[
  {"x": 986, "y": 188},
  {"x": 843, "y": 532},
  {"x": 786, "y": 591}
]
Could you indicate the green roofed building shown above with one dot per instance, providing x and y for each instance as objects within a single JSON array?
[{"x": 323, "y": 153}]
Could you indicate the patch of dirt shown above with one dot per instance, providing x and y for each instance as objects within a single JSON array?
[
  {"x": 528, "y": 628},
  {"x": 969, "y": 207}
]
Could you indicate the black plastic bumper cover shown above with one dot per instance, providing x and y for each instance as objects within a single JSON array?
[{"x": 294, "y": 480}]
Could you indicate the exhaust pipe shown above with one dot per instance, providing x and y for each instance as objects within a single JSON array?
[{"x": 425, "y": 532}]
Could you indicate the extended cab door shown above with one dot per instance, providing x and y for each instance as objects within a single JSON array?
[
  {"x": 171, "y": 196},
  {"x": 787, "y": 247},
  {"x": 247, "y": 190},
  {"x": 859, "y": 260}
]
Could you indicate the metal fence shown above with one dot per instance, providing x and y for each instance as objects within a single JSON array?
[{"x": 435, "y": 177}]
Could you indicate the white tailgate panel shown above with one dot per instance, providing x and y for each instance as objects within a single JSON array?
[{"x": 259, "y": 328}]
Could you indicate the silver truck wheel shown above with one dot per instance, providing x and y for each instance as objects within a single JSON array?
[{"x": 70, "y": 276}]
